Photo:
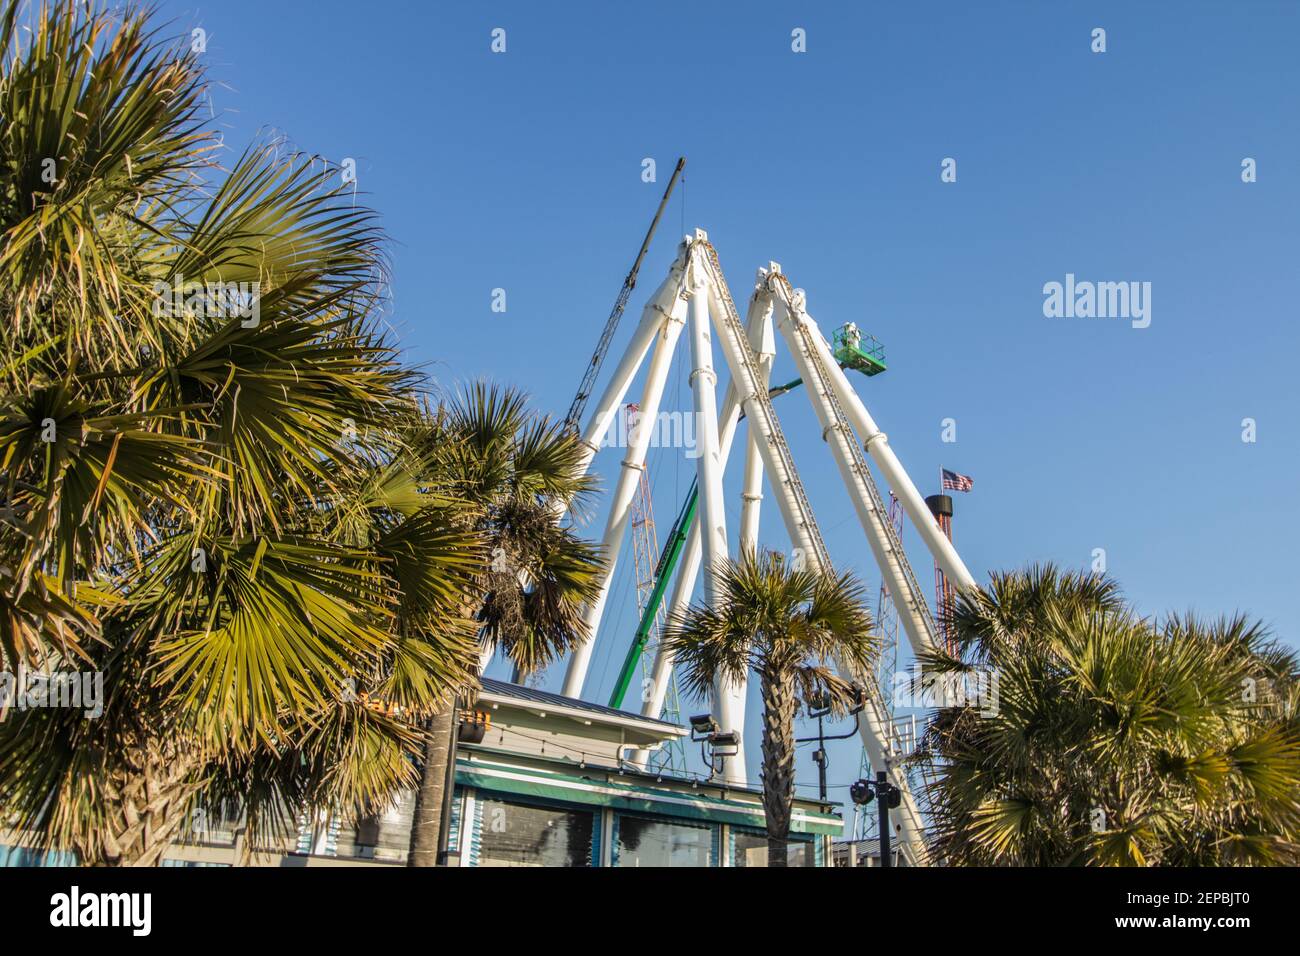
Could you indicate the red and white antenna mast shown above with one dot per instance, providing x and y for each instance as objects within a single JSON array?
[{"x": 941, "y": 507}]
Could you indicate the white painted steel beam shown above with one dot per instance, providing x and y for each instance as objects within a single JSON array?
[
  {"x": 798, "y": 330},
  {"x": 877, "y": 446},
  {"x": 728, "y": 696},
  {"x": 624, "y": 491}
]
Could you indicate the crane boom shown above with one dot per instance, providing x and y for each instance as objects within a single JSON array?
[{"x": 573, "y": 420}]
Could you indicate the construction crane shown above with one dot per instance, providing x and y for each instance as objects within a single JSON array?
[{"x": 573, "y": 420}]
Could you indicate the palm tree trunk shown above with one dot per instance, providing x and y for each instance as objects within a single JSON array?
[
  {"x": 778, "y": 761},
  {"x": 430, "y": 796},
  {"x": 147, "y": 802},
  {"x": 426, "y": 819}
]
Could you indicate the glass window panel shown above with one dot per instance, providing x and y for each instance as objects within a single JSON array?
[
  {"x": 751, "y": 850},
  {"x": 517, "y": 834},
  {"x": 644, "y": 842},
  {"x": 385, "y": 836}
]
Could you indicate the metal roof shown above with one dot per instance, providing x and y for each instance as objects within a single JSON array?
[{"x": 504, "y": 689}]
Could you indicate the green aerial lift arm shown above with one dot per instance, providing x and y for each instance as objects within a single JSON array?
[{"x": 668, "y": 558}]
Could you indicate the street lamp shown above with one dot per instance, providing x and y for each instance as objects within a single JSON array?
[
  {"x": 887, "y": 797},
  {"x": 819, "y": 706}
]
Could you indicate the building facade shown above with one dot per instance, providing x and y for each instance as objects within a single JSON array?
[{"x": 541, "y": 780}]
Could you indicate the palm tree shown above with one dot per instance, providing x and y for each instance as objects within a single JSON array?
[
  {"x": 787, "y": 625},
  {"x": 516, "y": 471},
  {"x": 213, "y": 490},
  {"x": 1116, "y": 740}
]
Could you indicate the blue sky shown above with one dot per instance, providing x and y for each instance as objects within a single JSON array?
[{"x": 522, "y": 171}]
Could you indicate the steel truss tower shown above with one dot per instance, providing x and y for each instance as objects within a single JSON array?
[{"x": 887, "y": 627}]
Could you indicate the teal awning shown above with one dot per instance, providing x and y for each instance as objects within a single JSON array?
[{"x": 638, "y": 797}]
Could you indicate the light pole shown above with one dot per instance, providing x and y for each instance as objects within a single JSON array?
[
  {"x": 820, "y": 707},
  {"x": 887, "y": 797}
]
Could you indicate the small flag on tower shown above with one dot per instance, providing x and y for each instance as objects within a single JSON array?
[{"x": 955, "y": 482}]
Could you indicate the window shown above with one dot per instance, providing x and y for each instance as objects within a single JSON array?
[
  {"x": 749, "y": 848},
  {"x": 31, "y": 856},
  {"x": 385, "y": 836},
  {"x": 646, "y": 842},
  {"x": 518, "y": 834}
]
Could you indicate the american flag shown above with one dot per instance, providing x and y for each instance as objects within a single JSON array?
[{"x": 955, "y": 482}]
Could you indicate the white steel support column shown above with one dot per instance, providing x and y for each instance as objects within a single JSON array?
[
  {"x": 688, "y": 573},
  {"x": 624, "y": 491},
  {"x": 759, "y": 324},
  {"x": 704, "y": 379},
  {"x": 711, "y": 509},
  {"x": 653, "y": 316},
  {"x": 751, "y": 498},
  {"x": 791, "y": 320},
  {"x": 877, "y": 445},
  {"x": 763, "y": 342}
]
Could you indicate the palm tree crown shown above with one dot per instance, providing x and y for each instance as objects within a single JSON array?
[
  {"x": 209, "y": 495},
  {"x": 1115, "y": 740},
  {"x": 515, "y": 471},
  {"x": 788, "y": 625}
]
